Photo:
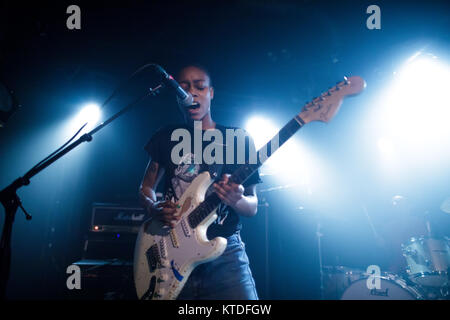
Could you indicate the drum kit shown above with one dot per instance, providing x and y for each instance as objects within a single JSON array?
[{"x": 426, "y": 276}]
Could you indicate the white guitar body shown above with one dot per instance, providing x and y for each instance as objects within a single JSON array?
[{"x": 165, "y": 257}]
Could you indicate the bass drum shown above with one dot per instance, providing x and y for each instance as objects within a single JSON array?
[{"x": 391, "y": 288}]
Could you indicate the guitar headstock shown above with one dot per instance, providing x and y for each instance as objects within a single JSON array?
[{"x": 325, "y": 107}]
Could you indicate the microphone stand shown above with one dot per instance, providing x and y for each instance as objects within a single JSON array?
[{"x": 11, "y": 202}]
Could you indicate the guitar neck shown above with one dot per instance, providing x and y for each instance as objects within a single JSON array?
[
  {"x": 246, "y": 170},
  {"x": 322, "y": 108}
]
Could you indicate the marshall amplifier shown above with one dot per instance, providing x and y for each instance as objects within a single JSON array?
[
  {"x": 107, "y": 245},
  {"x": 115, "y": 218},
  {"x": 113, "y": 231}
]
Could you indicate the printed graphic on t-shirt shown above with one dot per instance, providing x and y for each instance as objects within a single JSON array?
[{"x": 184, "y": 174}]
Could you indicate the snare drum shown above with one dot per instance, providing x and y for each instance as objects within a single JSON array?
[
  {"x": 428, "y": 261},
  {"x": 391, "y": 288}
]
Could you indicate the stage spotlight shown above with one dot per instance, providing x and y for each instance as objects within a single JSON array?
[
  {"x": 261, "y": 130},
  {"x": 386, "y": 146},
  {"x": 90, "y": 114},
  {"x": 418, "y": 108},
  {"x": 411, "y": 131}
]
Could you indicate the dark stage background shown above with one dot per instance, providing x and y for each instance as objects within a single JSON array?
[{"x": 266, "y": 58}]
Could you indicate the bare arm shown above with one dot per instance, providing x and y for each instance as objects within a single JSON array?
[
  {"x": 162, "y": 210},
  {"x": 248, "y": 205},
  {"x": 243, "y": 201},
  {"x": 152, "y": 176}
]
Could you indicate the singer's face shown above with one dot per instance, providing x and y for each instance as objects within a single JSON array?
[{"x": 196, "y": 82}]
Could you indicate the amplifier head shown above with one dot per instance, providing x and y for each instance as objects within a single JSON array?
[{"x": 115, "y": 218}]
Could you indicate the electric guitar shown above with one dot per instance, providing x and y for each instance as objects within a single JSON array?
[{"x": 165, "y": 257}]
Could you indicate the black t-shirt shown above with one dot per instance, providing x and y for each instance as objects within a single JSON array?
[{"x": 178, "y": 176}]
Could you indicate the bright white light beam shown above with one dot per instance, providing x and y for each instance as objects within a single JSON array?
[{"x": 90, "y": 114}]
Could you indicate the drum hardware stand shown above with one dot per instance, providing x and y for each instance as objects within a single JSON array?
[
  {"x": 11, "y": 202},
  {"x": 372, "y": 227},
  {"x": 319, "y": 235}
]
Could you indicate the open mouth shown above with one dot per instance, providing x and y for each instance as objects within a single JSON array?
[{"x": 194, "y": 106}]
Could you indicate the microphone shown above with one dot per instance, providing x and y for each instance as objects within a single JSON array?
[{"x": 184, "y": 98}]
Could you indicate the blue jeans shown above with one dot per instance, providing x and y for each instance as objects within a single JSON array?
[{"x": 226, "y": 278}]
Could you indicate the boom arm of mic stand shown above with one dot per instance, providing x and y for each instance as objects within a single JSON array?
[{"x": 11, "y": 202}]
